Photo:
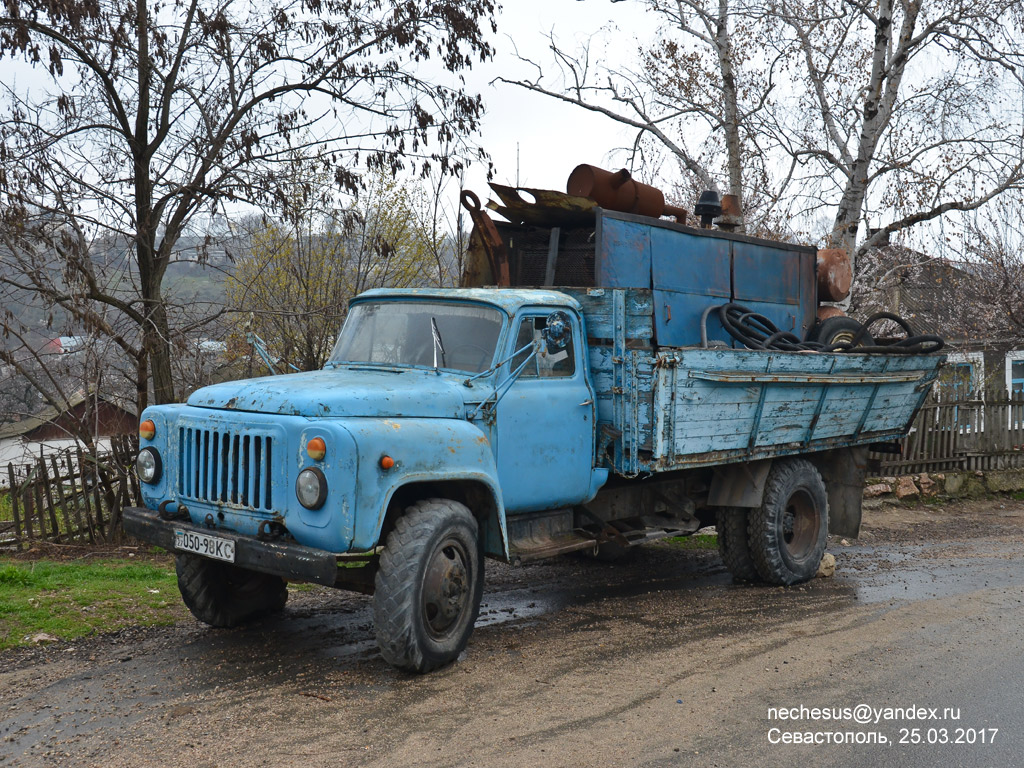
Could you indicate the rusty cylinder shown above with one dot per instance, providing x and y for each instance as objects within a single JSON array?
[
  {"x": 618, "y": 191},
  {"x": 835, "y": 275},
  {"x": 825, "y": 312}
]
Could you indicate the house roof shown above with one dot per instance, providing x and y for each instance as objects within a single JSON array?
[
  {"x": 46, "y": 415},
  {"x": 934, "y": 295}
]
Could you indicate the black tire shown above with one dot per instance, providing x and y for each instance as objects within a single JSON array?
[
  {"x": 788, "y": 533},
  {"x": 428, "y": 586},
  {"x": 839, "y": 330},
  {"x": 733, "y": 546},
  {"x": 224, "y": 595}
]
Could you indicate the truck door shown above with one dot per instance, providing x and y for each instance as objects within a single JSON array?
[{"x": 545, "y": 424}]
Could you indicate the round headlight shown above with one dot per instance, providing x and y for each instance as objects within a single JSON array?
[
  {"x": 311, "y": 488},
  {"x": 147, "y": 464}
]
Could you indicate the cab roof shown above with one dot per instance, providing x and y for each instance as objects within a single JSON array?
[{"x": 507, "y": 299}]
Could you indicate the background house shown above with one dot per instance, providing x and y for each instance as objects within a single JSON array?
[
  {"x": 956, "y": 300},
  {"x": 51, "y": 430}
]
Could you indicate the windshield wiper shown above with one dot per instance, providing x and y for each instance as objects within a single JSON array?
[{"x": 437, "y": 343}]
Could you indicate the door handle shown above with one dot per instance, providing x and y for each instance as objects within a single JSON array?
[{"x": 588, "y": 401}]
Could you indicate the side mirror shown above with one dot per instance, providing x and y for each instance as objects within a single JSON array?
[{"x": 557, "y": 331}]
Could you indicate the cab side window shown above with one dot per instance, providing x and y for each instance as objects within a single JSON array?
[{"x": 554, "y": 364}]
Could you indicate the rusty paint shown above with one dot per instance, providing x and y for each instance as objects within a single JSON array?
[
  {"x": 494, "y": 246},
  {"x": 731, "y": 217},
  {"x": 743, "y": 377},
  {"x": 549, "y": 209},
  {"x": 618, "y": 191},
  {"x": 835, "y": 275},
  {"x": 825, "y": 312}
]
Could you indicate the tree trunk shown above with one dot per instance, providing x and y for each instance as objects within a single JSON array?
[
  {"x": 730, "y": 109},
  {"x": 887, "y": 68},
  {"x": 158, "y": 347},
  {"x": 152, "y": 263}
]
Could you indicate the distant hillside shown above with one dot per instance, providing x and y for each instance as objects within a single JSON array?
[{"x": 188, "y": 282}]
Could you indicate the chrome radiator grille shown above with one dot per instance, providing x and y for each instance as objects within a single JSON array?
[{"x": 224, "y": 467}]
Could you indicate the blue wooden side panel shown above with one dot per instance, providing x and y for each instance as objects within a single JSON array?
[
  {"x": 777, "y": 283},
  {"x": 623, "y": 254},
  {"x": 713, "y": 406},
  {"x": 678, "y": 408},
  {"x": 690, "y": 274}
]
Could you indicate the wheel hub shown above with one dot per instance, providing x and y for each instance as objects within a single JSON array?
[
  {"x": 800, "y": 525},
  {"x": 445, "y": 587}
]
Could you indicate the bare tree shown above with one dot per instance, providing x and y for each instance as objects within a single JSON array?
[
  {"x": 138, "y": 117},
  {"x": 292, "y": 283},
  {"x": 910, "y": 109},
  {"x": 699, "y": 92},
  {"x": 952, "y": 298},
  {"x": 994, "y": 245},
  {"x": 843, "y": 115}
]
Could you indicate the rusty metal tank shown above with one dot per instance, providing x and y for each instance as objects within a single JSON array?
[
  {"x": 618, "y": 191},
  {"x": 835, "y": 275}
]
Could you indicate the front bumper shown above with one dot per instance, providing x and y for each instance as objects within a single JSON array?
[{"x": 293, "y": 562}]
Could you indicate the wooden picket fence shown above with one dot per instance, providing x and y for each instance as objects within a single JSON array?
[
  {"x": 72, "y": 496},
  {"x": 972, "y": 433}
]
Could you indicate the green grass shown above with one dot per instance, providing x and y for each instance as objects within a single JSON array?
[
  {"x": 71, "y": 600},
  {"x": 702, "y": 541},
  {"x": 6, "y": 510}
]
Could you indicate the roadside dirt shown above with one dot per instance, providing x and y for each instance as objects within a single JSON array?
[{"x": 658, "y": 661}]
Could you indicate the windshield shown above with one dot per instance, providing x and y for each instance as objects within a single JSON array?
[{"x": 458, "y": 336}]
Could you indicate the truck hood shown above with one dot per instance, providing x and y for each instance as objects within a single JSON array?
[{"x": 351, "y": 391}]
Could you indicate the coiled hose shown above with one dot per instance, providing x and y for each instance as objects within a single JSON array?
[{"x": 756, "y": 331}]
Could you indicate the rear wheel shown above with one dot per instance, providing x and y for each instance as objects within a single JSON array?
[
  {"x": 428, "y": 586},
  {"x": 788, "y": 533},
  {"x": 224, "y": 595},
  {"x": 733, "y": 546}
]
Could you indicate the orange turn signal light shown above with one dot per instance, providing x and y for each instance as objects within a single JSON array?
[
  {"x": 147, "y": 430},
  {"x": 316, "y": 448},
  {"x": 386, "y": 462}
]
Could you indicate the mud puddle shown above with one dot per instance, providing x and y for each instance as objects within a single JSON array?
[{"x": 922, "y": 572}]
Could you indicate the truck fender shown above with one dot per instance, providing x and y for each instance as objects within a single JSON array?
[
  {"x": 446, "y": 458},
  {"x": 472, "y": 490},
  {"x": 739, "y": 485},
  {"x": 844, "y": 470}
]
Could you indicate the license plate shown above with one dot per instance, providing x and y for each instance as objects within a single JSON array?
[{"x": 206, "y": 545}]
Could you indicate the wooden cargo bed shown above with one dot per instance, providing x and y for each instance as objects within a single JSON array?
[{"x": 668, "y": 408}]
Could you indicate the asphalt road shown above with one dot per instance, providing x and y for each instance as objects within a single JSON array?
[{"x": 658, "y": 662}]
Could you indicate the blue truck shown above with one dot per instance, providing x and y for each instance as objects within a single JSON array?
[{"x": 517, "y": 423}]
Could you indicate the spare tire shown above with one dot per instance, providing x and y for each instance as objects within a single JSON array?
[{"x": 839, "y": 330}]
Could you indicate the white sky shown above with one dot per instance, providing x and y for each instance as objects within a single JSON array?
[{"x": 552, "y": 138}]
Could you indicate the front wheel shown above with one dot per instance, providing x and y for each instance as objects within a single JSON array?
[
  {"x": 224, "y": 595},
  {"x": 788, "y": 533},
  {"x": 428, "y": 586}
]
